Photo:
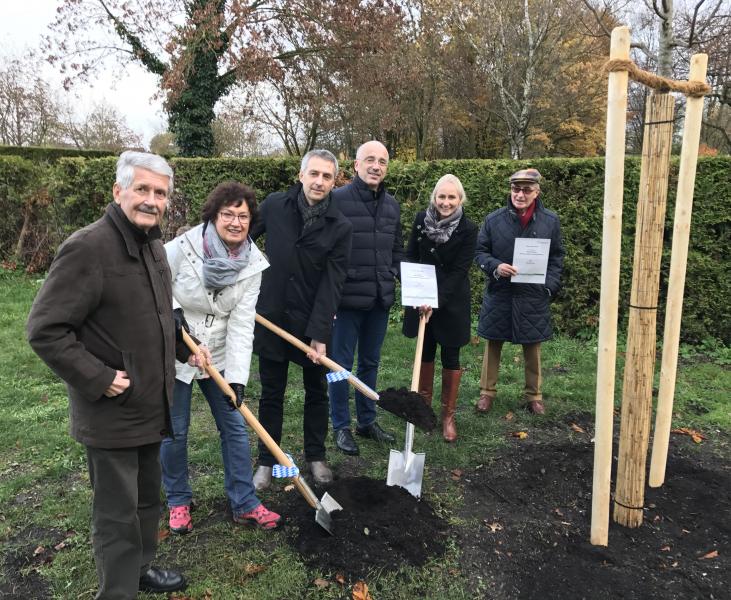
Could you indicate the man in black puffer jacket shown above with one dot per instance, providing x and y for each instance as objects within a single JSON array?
[
  {"x": 517, "y": 312},
  {"x": 368, "y": 292}
]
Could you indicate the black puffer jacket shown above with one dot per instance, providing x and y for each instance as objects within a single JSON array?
[
  {"x": 377, "y": 245},
  {"x": 517, "y": 312}
]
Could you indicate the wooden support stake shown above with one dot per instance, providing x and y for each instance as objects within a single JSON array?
[
  {"x": 639, "y": 369},
  {"x": 611, "y": 252},
  {"x": 676, "y": 284}
]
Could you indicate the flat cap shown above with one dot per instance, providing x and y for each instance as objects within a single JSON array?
[{"x": 526, "y": 175}]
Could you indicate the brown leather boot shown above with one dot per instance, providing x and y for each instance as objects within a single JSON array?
[
  {"x": 450, "y": 391},
  {"x": 426, "y": 382}
]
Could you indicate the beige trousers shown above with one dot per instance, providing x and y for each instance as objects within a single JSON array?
[{"x": 491, "y": 366}]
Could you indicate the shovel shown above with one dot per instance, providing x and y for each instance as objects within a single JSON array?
[
  {"x": 406, "y": 469},
  {"x": 408, "y": 405},
  {"x": 323, "y": 507}
]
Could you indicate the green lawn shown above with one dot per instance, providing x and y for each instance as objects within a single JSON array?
[{"x": 44, "y": 495}]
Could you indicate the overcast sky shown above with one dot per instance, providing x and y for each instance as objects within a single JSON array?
[{"x": 23, "y": 22}]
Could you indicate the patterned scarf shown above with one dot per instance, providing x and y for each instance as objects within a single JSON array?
[
  {"x": 440, "y": 231},
  {"x": 221, "y": 264},
  {"x": 310, "y": 214}
]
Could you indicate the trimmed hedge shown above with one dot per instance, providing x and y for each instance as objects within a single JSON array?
[
  {"x": 80, "y": 188},
  {"x": 46, "y": 154}
]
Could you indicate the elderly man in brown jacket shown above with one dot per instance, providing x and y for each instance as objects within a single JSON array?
[{"x": 103, "y": 322}]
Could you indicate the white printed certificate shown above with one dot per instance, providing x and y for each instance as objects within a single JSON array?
[
  {"x": 419, "y": 285},
  {"x": 530, "y": 258}
]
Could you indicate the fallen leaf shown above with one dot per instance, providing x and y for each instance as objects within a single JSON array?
[
  {"x": 321, "y": 583},
  {"x": 289, "y": 488},
  {"x": 696, "y": 436},
  {"x": 253, "y": 569},
  {"x": 184, "y": 597},
  {"x": 493, "y": 527},
  {"x": 665, "y": 549},
  {"x": 340, "y": 578},
  {"x": 577, "y": 429},
  {"x": 59, "y": 546},
  {"x": 208, "y": 595},
  {"x": 558, "y": 512},
  {"x": 39, "y": 550},
  {"x": 516, "y": 359},
  {"x": 521, "y": 435},
  {"x": 711, "y": 554},
  {"x": 360, "y": 591},
  {"x": 675, "y": 564},
  {"x": 509, "y": 416},
  {"x": 163, "y": 534},
  {"x": 456, "y": 474}
]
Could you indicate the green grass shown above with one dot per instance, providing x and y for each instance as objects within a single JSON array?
[{"x": 44, "y": 484}]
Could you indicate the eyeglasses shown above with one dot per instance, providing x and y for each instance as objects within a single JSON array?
[
  {"x": 227, "y": 217},
  {"x": 525, "y": 189}
]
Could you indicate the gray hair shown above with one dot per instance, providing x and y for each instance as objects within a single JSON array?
[
  {"x": 449, "y": 178},
  {"x": 319, "y": 153},
  {"x": 129, "y": 160}
]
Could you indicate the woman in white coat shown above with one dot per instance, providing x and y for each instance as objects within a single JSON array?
[{"x": 216, "y": 273}]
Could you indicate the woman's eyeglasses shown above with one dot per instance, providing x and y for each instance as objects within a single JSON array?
[{"x": 227, "y": 217}]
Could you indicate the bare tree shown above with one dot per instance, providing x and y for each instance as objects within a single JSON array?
[
  {"x": 29, "y": 111},
  {"x": 102, "y": 128}
]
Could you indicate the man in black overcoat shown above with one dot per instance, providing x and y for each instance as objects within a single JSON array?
[{"x": 307, "y": 245}]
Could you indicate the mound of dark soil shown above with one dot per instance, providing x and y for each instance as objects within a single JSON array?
[
  {"x": 379, "y": 528},
  {"x": 408, "y": 405},
  {"x": 532, "y": 508}
]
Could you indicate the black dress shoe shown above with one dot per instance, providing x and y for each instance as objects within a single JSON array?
[
  {"x": 345, "y": 442},
  {"x": 157, "y": 581},
  {"x": 375, "y": 432}
]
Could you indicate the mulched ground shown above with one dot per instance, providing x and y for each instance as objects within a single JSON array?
[{"x": 530, "y": 511}]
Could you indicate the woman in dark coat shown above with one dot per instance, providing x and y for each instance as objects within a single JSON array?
[{"x": 443, "y": 236}]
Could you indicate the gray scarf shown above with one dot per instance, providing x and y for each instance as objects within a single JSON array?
[
  {"x": 310, "y": 214},
  {"x": 440, "y": 231},
  {"x": 221, "y": 264}
]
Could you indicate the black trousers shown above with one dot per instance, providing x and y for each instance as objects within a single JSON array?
[
  {"x": 449, "y": 354},
  {"x": 273, "y": 375},
  {"x": 125, "y": 516}
]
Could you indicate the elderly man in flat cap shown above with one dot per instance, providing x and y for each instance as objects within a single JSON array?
[{"x": 517, "y": 312}]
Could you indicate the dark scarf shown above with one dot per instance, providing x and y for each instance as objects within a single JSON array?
[
  {"x": 310, "y": 214},
  {"x": 439, "y": 231}
]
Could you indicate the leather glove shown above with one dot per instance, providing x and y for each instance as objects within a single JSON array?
[
  {"x": 238, "y": 389},
  {"x": 180, "y": 324}
]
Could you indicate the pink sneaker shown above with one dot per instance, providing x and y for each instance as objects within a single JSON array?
[
  {"x": 260, "y": 517},
  {"x": 180, "y": 521}
]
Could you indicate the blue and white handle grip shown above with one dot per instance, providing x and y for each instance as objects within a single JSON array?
[{"x": 325, "y": 361}]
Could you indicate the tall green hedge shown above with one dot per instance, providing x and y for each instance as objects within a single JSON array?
[{"x": 80, "y": 188}]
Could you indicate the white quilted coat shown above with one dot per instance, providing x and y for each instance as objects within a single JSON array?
[{"x": 224, "y": 321}]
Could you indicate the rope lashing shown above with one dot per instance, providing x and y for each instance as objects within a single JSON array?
[{"x": 694, "y": 89}]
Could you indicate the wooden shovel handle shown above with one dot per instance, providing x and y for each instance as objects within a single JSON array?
[
  {"x": 324, "y": 360},
  {"x": 253, "y": 422},
  {"x": 417, "y": 355}
]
